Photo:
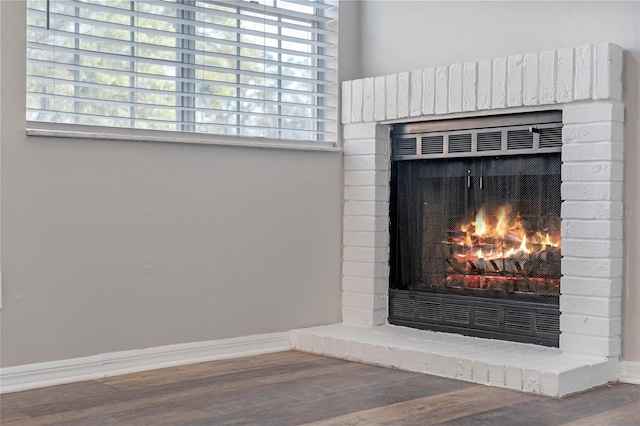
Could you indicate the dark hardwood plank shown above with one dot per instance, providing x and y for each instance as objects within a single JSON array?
[
  {"x": 292, "y": 388},
  {"x": 550, "y": 411},
  {"x": 432, "y": 409}
]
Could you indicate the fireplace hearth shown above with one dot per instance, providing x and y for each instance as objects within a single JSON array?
[{"x": 475, "y": 215}]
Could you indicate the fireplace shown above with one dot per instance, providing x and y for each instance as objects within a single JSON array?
[
  {"x": 475, "y": 227},
  {"x": 585, "y": 84}
]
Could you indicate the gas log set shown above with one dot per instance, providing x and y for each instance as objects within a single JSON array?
[{"x": 494, "y": 251}]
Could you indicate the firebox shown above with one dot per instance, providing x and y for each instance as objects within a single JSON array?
[{"x": 475, "y": 226}]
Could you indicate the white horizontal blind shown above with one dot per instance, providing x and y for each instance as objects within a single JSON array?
[{"x": 245, "y": 68}]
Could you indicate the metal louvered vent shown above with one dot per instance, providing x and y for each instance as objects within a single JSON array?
[
  {"x": 550, "y": 137},
  {"x": 403, "y": 307},
  {"x": 488, "y": 317},
  {"x": 547, "y": 323},
  {"x": 432, "y": 145},
  {"x": 519, "y": 139},
  {"x": 460, "y": 143},
  {"x": 429, "y": 310},
  {"x": 405, "y": 146},
  {"x": 456, "y": 313},
  {"x": 489, "y": 141},
  {"x": 517, "y": 320},
  {"x": 511, "y": 134}
]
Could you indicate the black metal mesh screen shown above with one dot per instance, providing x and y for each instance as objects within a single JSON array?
[{"x": 488, "y": 226}]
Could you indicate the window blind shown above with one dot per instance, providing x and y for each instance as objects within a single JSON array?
[{"x": 229, "y": 67}]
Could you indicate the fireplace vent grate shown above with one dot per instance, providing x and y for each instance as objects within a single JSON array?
[
  {"x": 405, "y": 146},
  {"x": 460, "y": 143},
  {"x": 505, "y": 135},
  {"x": 519, "y": 139},
  {"x": 490, "y": 141},
  {"x": 550, "y": 137},
  {"x": 512, "y": 320},
  {"x": 432, "y": 145}
]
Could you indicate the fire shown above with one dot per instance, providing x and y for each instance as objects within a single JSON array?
[{"x": 501, "y": 235}]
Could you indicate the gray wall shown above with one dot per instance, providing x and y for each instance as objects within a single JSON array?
[
  {"x": 111, "y": 246},
  {"x": 406, "y": 35}
]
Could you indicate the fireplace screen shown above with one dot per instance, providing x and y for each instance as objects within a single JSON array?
[
  {"x": 475, "y": 227},
  {"x": 486, "y": 227}
]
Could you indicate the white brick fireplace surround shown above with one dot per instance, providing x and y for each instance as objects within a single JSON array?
[{"x": 586, "y": 84}]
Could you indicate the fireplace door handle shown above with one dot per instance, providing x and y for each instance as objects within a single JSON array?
[{"x": 480, "y": 182}]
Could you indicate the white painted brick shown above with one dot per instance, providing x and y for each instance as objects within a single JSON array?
[
  {"x": 366, "y": 239},
  {"x": 584, "y": 191},
  {"x": 606, "y": 307},
  {"x": 329, "y": 346},
  {"x": 605, "y": 372},
  {"x": 449, "y": 366},
  {"x": 578, "y": 113},
  {"x": 480, "y": 372},
  {"x": 496, "y": 375},
  {"x": 368, "y": 100},
  {"x": 366, "y": 193},
  {"x": 583, "y": 66},
  {"x": 363, "y": 300},
  {"x": 403, "y": 94},
  {"x": 469, "y": 86},
  {"x": 597, "y": 132},
  {"x": 365, "y": 146},
  {"x": 364, "y": 317},
  {"x": 590, "y": 209},
  {"x": 531, "y": 79},
  {"x": 592, "y": 172},
  {"x": 366, "y": 208},
  {"x": 346, "y": 102},
  {"x": 442, "y": 90},
  {"x": 565, "y": 380},
  {"x": 366, "y": 254},
  {"x": 608, "y": 72},
  {"x": 391, "y": 90},
  {"x": 592, "y": 345},
  {"x": 366, "y": 162},
  {"x": 415, "y": 93},
  {"x": 364, "y": 178},
  {"x": 455, "y": 88},
  {"x": 605, "y": 268},
  {"x": 357, "y": 93},
  {"x": 589, "y": 325},
  {"x": 484, "y": 84},
  {"x": 316, "y": 344},
  {"x": 365, "y": 269},
  {"x": 531, "y": 380},
  {"x": 364, "y": 131},
  {"x": 573, "y": 228},
  {"x": 294, "y": 339},
  {"x": 428, "y": 91},
  {"x": 591, "y": 287},
  {"x": 435, "y": 363},
  {"x": 515, "y": 66},
  {"x": 413, "y": 361},
  {"x": 513, "y": 377},
  {"x": 593, "y": 151},
  {"x": 499, "y": 83},
  {"x": 464, "y": 369},
  {"x": 565, "y": 75},
  {"x": 365, "y": 285},
  {"x": 380, "y": 99},
  {"x": 591, "y": 248},
  {"x": 547, "y": 78},
  {"x": 366, "y": 223}
]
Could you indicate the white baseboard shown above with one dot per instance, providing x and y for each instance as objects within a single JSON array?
[
  {"x": 630, "y": 372},
  {"x": 32, "y": 376}
]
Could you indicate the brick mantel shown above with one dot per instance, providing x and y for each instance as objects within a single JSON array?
[{"x": 586, "y": 84}]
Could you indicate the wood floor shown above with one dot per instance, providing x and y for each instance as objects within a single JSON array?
[{"x": 291, "y": 388}]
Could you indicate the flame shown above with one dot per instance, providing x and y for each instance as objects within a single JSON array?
[{"x": 502, "y": 237}]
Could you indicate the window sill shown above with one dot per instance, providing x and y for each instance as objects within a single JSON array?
[{"x": 174, "y": 137}]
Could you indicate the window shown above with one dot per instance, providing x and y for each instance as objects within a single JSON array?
[{"x": 243, "y": 68}]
